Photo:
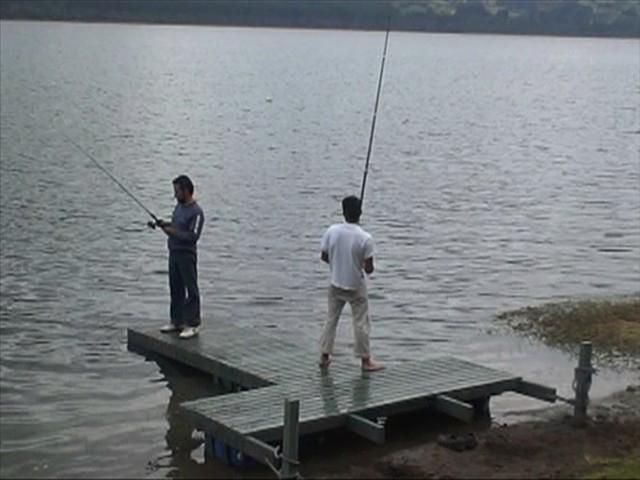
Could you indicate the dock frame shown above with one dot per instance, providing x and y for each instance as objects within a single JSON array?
[{"x": 279, "y": 393}]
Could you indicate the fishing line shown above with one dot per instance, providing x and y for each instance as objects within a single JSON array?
[{"x": 110, "y": 175}]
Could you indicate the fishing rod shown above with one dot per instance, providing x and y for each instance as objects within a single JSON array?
[
  {"x": 156, "y": 220},
  {"x": 375, "y": 114}
]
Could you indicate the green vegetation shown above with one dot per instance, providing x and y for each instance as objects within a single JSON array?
[
  {"x": 612, "y": 325},
  {"x": 554, "y": 17},
  {"x": 628, "y": 468}
]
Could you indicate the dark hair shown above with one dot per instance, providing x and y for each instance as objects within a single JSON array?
[
  {"x": 184, "y": 183},
  {"x": 351, "y": 208}
]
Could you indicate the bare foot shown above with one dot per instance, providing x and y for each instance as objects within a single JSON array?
[
  {"x": 325, "y": 361},
  {"x": 369, "y": 365}
]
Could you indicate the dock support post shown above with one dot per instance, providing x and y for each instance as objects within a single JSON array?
[
  {"x": 482, "y": 408},
  {"x": 290, "y": 463},
  {"x": 582, "y": 382}
]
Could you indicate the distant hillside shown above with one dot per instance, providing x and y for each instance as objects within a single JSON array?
[{"x": 612, "y": 18}]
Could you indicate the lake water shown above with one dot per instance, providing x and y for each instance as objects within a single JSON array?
[{"x": 505, "y": 173}]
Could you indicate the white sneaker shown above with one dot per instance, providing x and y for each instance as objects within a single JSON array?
[
  {"x": 170, "y": 328},
  {"x": 189, "y": 332}
]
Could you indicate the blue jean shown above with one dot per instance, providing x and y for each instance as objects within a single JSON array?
[{"x": 183, "y": 285}]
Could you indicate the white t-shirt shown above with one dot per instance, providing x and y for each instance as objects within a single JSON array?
[{"x": 348, "y": 246}]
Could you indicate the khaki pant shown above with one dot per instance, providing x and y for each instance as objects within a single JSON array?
[{"x": 359, "y": 302}]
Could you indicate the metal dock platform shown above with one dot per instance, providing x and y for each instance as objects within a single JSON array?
[{"x": 266, "y": 373}]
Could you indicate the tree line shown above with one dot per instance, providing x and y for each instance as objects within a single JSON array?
[{"x": 617, "y": 18}]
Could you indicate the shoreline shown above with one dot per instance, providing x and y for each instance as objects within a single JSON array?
[
  {"x": 549, "y": 445},
  {"x": 312, "y": 28}
]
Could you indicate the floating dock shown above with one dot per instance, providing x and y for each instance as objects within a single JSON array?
[{"x": 280, "y": 393}]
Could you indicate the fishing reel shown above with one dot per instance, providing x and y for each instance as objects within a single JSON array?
[{"x": 158, "y": 223}]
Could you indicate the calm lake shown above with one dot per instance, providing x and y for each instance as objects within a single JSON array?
[{"x": 505, "y": 173}]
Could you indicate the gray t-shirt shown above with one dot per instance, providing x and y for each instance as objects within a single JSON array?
[{"x": 188, "y": 220}]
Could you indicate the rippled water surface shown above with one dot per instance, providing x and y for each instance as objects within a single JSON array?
[{"x": 505, "y": 173}]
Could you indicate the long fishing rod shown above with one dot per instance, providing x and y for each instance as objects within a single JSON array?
[
  {"x": 375, "y": 114},
  {"x": 133, "y": 197}
]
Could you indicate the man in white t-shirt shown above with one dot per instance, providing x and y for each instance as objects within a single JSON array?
[{"x": 348, "y": 250}]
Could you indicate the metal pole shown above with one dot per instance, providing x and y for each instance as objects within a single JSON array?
[
  {"x": 290, "y": 463},
  {"x": 582, "y": 382}
]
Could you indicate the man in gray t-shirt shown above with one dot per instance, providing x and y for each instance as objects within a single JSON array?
[{"x": 183, "y": 233}]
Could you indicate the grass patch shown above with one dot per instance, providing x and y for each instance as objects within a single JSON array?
[
  {"x": 628, "y": 468},
  {"x": 613, "y": 326}
]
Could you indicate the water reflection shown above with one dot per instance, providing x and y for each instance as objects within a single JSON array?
[
  {"x": 327, "y": 394},
  {"x": 358, "y": 385},
  {"x": 185, "y": 455},
  {"x": 185, "y": 384}
]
